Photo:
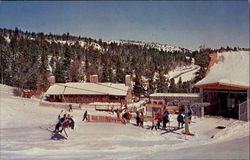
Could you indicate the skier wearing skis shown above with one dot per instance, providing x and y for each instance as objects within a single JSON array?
[{"x": 59, "y": 124}]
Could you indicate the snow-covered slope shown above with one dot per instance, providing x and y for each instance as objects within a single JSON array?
[
  {"x": 186, "y": 73},
  {"x": 23, "y": 135},
  {"x": 81, "y": 43},
  {"x": 159, "y": 46}
]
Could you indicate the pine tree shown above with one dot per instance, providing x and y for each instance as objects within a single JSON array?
[
  {"x": 161, "y": 83},
  {"x": 138, "y": 88},
  {"x": 179, "y": 85},
  {"x": 172, "y": 87}
]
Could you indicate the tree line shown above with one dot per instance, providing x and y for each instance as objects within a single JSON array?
[{"x": 28, "y": 60}]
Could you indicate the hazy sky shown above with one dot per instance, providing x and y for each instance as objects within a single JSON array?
[{"x": 187, "y": 24}]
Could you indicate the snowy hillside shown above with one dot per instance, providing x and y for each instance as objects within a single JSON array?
[
  {"x": 82, "y": 43},
  {"x": 186, "y": 73},
  {"x": 159, "y": 46},
  {"x": 24, "y": 136}
]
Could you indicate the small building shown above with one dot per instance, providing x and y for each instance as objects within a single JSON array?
[
  {"x": 164, "y": 98},
  {"x": 88, "y": 92},
  {"x": 161, "y": 101},
  {"x": 226, "y": 85}
]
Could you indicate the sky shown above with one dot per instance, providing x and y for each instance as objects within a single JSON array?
[{"x": 187, "y": 24}]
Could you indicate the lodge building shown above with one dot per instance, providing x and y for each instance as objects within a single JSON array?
[
  {"x": 226, "y": 85},
  {"x": 88, "y": 92}
]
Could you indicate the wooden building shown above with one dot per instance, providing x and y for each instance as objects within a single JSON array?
[
  {"x": 162, "y": 101},
  {"x": 88, "y": 92},
  {"x": 226, "y": 85},
  {"x": 164, "y": 98}
]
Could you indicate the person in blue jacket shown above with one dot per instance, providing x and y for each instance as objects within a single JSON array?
[{"x": 180, "y": 120}]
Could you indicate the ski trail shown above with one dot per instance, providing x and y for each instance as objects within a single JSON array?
[{"x": 184, "y": 72}]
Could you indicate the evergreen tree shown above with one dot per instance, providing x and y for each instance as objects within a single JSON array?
[
  {"x": 161, "y": 83},
  {"x": 138, "y": 89},
  {"x": 172, "y": 87},
  {"x": 179, "y": 85}
]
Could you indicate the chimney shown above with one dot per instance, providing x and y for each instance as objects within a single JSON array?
[
  {"x": 52, "y": 80},
  {"x": 128, "y": 80},
  {"x": 93, "y": 78}
]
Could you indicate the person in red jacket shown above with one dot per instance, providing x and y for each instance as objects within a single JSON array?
[{"x": 158, "y": 118}]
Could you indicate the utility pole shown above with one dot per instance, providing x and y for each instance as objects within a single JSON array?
[{"x": 186, "y": 118}]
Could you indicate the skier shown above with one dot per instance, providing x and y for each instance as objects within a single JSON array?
[
  {"x": 68, "y": 122},
  {"x": 64, "y": 122},
  {"x": 137, "y": 119},
  {"x": 180, "y": 120},
  {"x": 85, "y": 116},
  {"x": 165, "y": 118},
  {"x": 129, "y": 116},
  {"x": 154, "y": 122},
  {"x": 141, "y": 119},
  {"x": 59, "y": 124},
  {"x": 70, "y": 108},
  {"x": 158, "y": 118}
]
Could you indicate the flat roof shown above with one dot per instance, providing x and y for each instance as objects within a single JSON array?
[
  {"x": 115, "y": 89},
  {"x": 175, "y": 95}
]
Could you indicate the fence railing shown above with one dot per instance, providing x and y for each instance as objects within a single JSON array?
[
  {"x": 244, "y": 111},
  {"x": 95, "y": 118}
]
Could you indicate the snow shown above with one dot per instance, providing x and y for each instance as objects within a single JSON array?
[
  {"x": 50, "y": 67},
  {"x": 164, "y": 47},
  {"x": 77, "y": 88},
  {"x": 232, "y": 69},
  {"x": 186, "y": 73},
  {"x": 7, "y": 38},
  {"x": 23, "y": 136},
  {"x": 175, "y": 95},
  {"x": 81, "y": 43}
]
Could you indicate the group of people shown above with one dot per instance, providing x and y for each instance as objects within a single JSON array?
[
  {"x": 158, "y": 118},
  {"x": 65, "y": 122}
]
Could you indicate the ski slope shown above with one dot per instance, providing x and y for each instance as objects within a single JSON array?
[
  {"x": 23, "y": 135},
  {"x": 186, "y": 73}
]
